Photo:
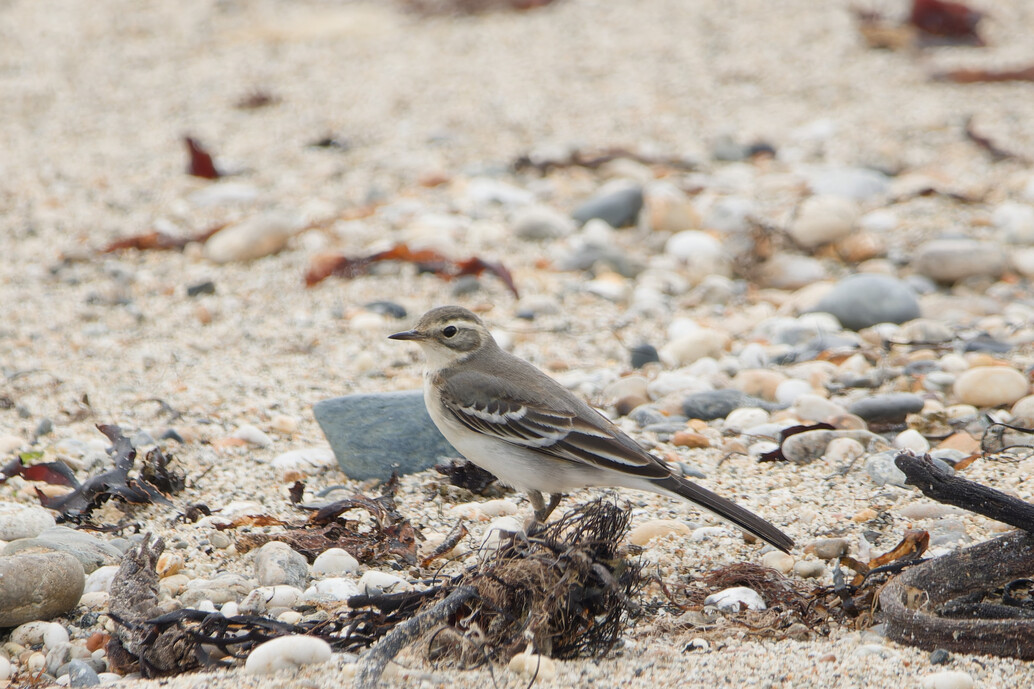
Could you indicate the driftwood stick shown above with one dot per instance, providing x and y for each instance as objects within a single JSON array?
[
  {"x": 373, "y": 662},
  {"x": 947, "y": 488}
]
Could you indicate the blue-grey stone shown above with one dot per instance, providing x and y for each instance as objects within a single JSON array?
[
  {"x": 891, "y": 407},
  {"x": 861, "y": 301},
  {"x": 717, "y": 404},
  {"x": 644, "y": 354},
  {"x": 372, "y": 433},
  {"x": 939, "y": 656},
  {"x": 617, "y": 208},
  {"x": 646, "y": 414},
  {"x": 883, "y": 471},
  {"x": 387, "y": 308},
  {"x": 80, "y": 674},
  {"x": 590, "y": 255}
]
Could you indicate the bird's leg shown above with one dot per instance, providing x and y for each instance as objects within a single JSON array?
[{"x": 543, "y": 510}]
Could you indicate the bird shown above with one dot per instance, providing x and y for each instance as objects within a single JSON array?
[{"x": 511, "y": 419}]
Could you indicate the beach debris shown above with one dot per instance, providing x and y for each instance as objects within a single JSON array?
[
  {"x": 200, "y": 163},
  {"x": 426, "y": 260},
  {"x": 465, "y": 474}
]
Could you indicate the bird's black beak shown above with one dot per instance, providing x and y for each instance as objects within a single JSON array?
[{"x": 407, "y": 335}]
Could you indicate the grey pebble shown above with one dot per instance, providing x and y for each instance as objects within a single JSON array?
[
  {"x": 950, "y": 260},
  {"x": 386, "y": 308},
  {"x": 644, "y": 354},
  {"x": 206, "y": 287},
  {"x": 717, "y": 404},
  {"x": 91, "y": 552},
  {"x": 370, "y": 433},
  {"x": 829, "y": 548},
  {"x": 277, "y": 563},
  {"x": 80, "y": 674},
  {"x": 939, "y": 656},
  {"x": 646, "y": 414},
  {"x": 589, "y": 255},
  {"x": 861, "y": 301},
  {"x": 44, "y": 427},
  {"x": 883, "y": 471},
  {"x": 219, "y": 540},
  {"x": 618, "y": 208},
  {"x": 464, "y": 285},
  {"x": 891, "y": 407},
  {"x": 38, "y": 586}
]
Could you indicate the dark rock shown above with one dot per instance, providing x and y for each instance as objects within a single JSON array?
[
  {"x": 939, "y": 656},
  {"x": 38, "y": 586},
  {"x": 986, "y": 343},
  {"x": 206, "y": 287},
  {"x": 887, "y": 408},
  {"x": 172, "y": 434},
  {"x": 371, "y": 433},
  {"x": 716, "y": 404},
  {"x": 387, "y": 308},
  {"x": 861, "y": 301},
  {"x": 644, "y": 354},
  {"x": 617, "y": 208},
  {"x": 44, "y": 427}
]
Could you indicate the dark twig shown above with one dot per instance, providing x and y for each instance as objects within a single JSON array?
[
  {"x": 373, "y": 662},
  {"x": 943, "y": 487}
]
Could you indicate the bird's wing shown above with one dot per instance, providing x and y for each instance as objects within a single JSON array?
[{"x": 490, "y": 405}]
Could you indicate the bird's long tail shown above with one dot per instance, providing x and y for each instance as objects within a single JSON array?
[{"x": 726, "y": 509}]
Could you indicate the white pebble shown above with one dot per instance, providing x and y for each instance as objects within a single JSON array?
[
  {"x": 480, "y": 511},
  {"x": 36, "y": 662},
  {"x": 282, "y": 423},
  {"x": 230, "y": 609},
  {"x": 733, "y": 599},
  {"x": 911, "y": 440},
  {"x": 289, "y": 617},
  {"x": 790, "y": 390},
  {"x": 287, "y": 653},
  {"x": 778, "y": 560},
  {"x": 332, "y": 589},
  {"x": 29, "y": 633},
  {"x": 811, "y": 407},
  {"x": 53, "y": 635},
  {"x": 22, "y": 521},
  {"x": 740, "y": 419},
  {"x": 947, "y": 679},
  {"x": 265, "y": 597},
  {"x": 95, "y": 600},
  {"x": 374, "y": 582},
  {"x": 5, "y": 668},
  {"x": 823, "y": 219},
  {"x": 843, "y": 450},
  {"x": 657, "y": 528},
  {"x": 990, "y": 386},
  {"x": 252, "y": 435},
  {"x": 809, "y": 569},
  {"x": 255, "y": 237},
  {"x": 533, "y": 664},
  {"x": 334, "y": 562}
]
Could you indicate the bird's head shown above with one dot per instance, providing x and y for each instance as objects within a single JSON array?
[{"x": 448, "y": 335}]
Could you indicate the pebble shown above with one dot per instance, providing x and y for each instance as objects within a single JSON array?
[
  {"x": 940, "y": 656},
  {"x": 791, "y": 271},
  {"x": 717, "y": 404},
  {"x": 644, "y": 354},
  {"x": 277, "y": 563},
  {"x": 809, "y": 569},
  {"x": 100, "y": 579},
  {"x": 730, "y": 214},
  {"x": 883, "y": 471},
  {"x": 823, "y": 219},
  {"x": 812, "y": 407},
  {"x": 533, "y": 665},
  {"x": 758, "y": 382},
  {"x": 482, "y": 511},
  {"x": 89, "y": 550},
  {"x": 618, "y": 208},
  {"x": 252, "y": 435},
  {"x": 23, "y": 521},
  {"x": 224, "y": 193},
  {"x": 912, "y": 439},
  {"x": 887, "y": 408},
  {"x": 499, "y": 530},
  {"x": 690, "y": 347},
  {"x": 738, "y": 420},
  {"x": 80, "y": 674},
  {"x": 669, "y": 209},
  {"x": 991, "y": 386},
  {"x": 331, "y": 590},
  {"x": 860, "y": 183},
  {"x": 706, "y": 533},
  {"x": 736, "y": 599},
  {"x": 700, "y": 254},
  {"x": 657, "y": 528},
  {"x": 375, "y": 583},
  {"x": 1014, "y": 222},
  {"x": 864, "y": 300},
  {"x": 778, "y": 560},
  {"x": 950, "y": 260},
  {"x": 690, "y": 439},
  {"x": 38, "y": 586},
  {"x": 260, "y": 235},
  {"x": 11, "y": 443},
  {"x": 789, "y": 391},
  {"x": 265, "y": 598},
  {"x": 334, "y": 562},
  {"x": 841, "y": 451},
  {"x": 5, "y": 668},
  {"x": 947, "y": 679},
  {"x": 380, "y": 447},
  {"x": 287, "y": 653},
  {"x": 541, "y": 222},
  {"x": 306, "y": 460},
  {"x": 828, "y": 548}
]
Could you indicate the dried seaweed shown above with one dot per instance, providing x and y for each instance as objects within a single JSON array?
[
  {"x": 200, "y": 163},
  {"x": 468, "y": 7},
  {"x": 982, "y": 76},
  {"x": 427, "y": 260},
  {"x": 392, "y": 539},
  {"x": 943, "y": 22},
  {"x": 467, "y": 475},
  {"x": 156, "y": 240},
  {"x": 154, "y": 480}
]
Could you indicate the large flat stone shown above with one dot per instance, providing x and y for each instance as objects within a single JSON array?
[{"x": 371, "y": 433}]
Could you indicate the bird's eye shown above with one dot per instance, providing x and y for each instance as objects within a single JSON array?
[{"x": 449, "y": 330}]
